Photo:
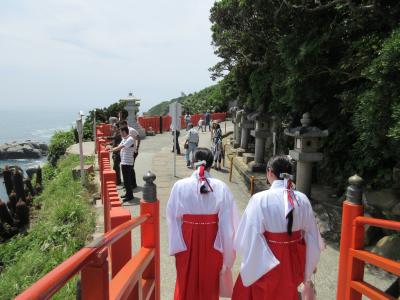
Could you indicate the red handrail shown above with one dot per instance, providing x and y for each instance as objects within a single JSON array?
[
  {"x": 94, "y": 259},
  {"x": 351, "y": 285},
  {"x": 48, "y": 285},
  {"x": 388, "y": 224}
]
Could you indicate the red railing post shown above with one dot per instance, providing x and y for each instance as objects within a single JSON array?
[
  {"x": 121, "y": 251},
  {"x": 109, "y": 176},
  {"x": 150, "y": 231},
  {"x": 94, "y": 278},
  {"x": 352, "y": 208}
]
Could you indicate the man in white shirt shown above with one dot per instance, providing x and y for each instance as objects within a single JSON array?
[
  {"x": 127, "y": 161},
  {"x": 192, "y": 141},
  {"x": 136, "y": 138}
]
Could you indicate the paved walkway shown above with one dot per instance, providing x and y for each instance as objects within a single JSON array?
[
  {"x": 155, "y": 155},
  {"x": 88, "y": 149}
]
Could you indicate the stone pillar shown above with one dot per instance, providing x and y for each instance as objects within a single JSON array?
[
  {"x": 306, "y": 144},
  {"x": 233, "y": 111},
  {"x": 260, "y": 134},
  {"x": 238, "y": 129}
]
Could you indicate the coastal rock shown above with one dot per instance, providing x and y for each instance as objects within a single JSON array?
[{"x": 23, "y": 150}]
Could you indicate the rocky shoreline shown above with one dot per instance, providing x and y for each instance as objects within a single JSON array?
[{"x": 23, "y": 150}]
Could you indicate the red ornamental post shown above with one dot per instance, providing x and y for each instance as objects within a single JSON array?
[
  {"x": 150, "y": 230},
  {"x": 352, "y": 208}
]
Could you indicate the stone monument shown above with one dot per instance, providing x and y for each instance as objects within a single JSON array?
[
  {"x": 306, "y": 143},
  {"x": 132, "y": 107}
]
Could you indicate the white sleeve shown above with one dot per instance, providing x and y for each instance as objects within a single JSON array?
[
  {"x": 228, "y": 223},
  {"x": 257, "y": 257},
  {"x": 133, "y": 132},
  {"x": 129, "y": 142},
  {"x": 314, "y": 242},
  {"x": 174, "y": 221}
]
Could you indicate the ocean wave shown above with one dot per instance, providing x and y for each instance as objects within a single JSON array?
[{"x": 48, "y": 132}]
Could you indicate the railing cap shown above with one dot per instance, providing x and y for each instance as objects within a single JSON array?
[
  {"x": 356, "y": 180},
  {"x": 355, "y": 190},
  {"x": 149, "y": 188},
  {"x": 149, "y": 177}
]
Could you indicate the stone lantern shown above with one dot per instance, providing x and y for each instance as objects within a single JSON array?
[
  {"x": 306, "y": 144},
  {"x": 246, "y": 126},
  {"x": 132, "y": 107},
  {"x": 260, "y": 133}
]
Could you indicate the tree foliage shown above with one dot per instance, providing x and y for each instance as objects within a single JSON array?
[
  {"x": 102, "y": 115},
  {"x": 213, "y": 98},
  {"x": 337, "y": 59}
]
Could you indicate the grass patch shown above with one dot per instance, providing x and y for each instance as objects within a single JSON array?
[{"x": 61, "y": 228}]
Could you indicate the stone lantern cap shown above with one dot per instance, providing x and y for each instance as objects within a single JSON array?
[
  {"x": 130, "y": 97},
  {"x": 305, "y": 130}
]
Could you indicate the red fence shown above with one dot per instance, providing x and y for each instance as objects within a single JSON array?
[
  {"x": 351, "y": 285},
  {"x": 132, "y": 277},
  {"x": 164, "y": 122}
]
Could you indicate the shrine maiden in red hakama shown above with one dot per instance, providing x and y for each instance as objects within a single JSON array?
[
  {"x": 201, "y": 230},
  {"x": 274, "y": 262}
]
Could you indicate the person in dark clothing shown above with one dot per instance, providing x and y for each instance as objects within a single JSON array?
[
  {"x": 116, "y": 155},
  {"x": 178, "y": 148},
  {"x": 208, "y": 121}
]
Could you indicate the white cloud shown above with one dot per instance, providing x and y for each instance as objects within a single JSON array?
[{"x": 91, "y": 52}]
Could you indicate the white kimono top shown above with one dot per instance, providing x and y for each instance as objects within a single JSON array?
[
  {"x": 266, "y": 212},
  {"x": 186, "y": 198}
]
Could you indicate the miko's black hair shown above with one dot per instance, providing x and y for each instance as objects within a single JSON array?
[
  {"x": 203, "y": 154},
  {"x": 278, "y": 165}
]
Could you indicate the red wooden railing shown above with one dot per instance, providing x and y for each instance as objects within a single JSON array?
[
  {"x": 155, "y": 123},
  {"x": 351, "y": 285},
  {"x": 106, "y": 266}
]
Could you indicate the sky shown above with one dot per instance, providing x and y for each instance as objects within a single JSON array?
[{"x": 81, "y": 54}]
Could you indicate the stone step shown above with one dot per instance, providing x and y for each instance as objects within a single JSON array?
[{"x": 248, "y": 157}]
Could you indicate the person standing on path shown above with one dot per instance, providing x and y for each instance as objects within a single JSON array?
[
  {"x": 192, "y": 141},
  {"x": 136, "y": 138},
  {"x": 187, "y": 120},
  {"x": 202, "y": 218},
  {"x": 278, "y": 239},
  {"x": 176, "y": 142},
  {"x": 126, "y": 148},
  {"x": 116, "y": 155},
  {"x": 208, "y": 121},
  {"x": 217, "y": 146}
]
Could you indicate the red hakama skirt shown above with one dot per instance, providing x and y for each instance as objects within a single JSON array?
[
  {"x": 282, "y": 281},
  {"x": 198, "y": 268}
]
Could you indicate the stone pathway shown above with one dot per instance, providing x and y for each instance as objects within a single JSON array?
[{"x": 155, "y": 155}]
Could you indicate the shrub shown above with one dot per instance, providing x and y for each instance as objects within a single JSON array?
[
  {"x": 62, "y": 227},
  {"x": 59, "y": 143}
]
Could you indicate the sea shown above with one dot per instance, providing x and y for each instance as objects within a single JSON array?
[{"x": 33, "y": 124}]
